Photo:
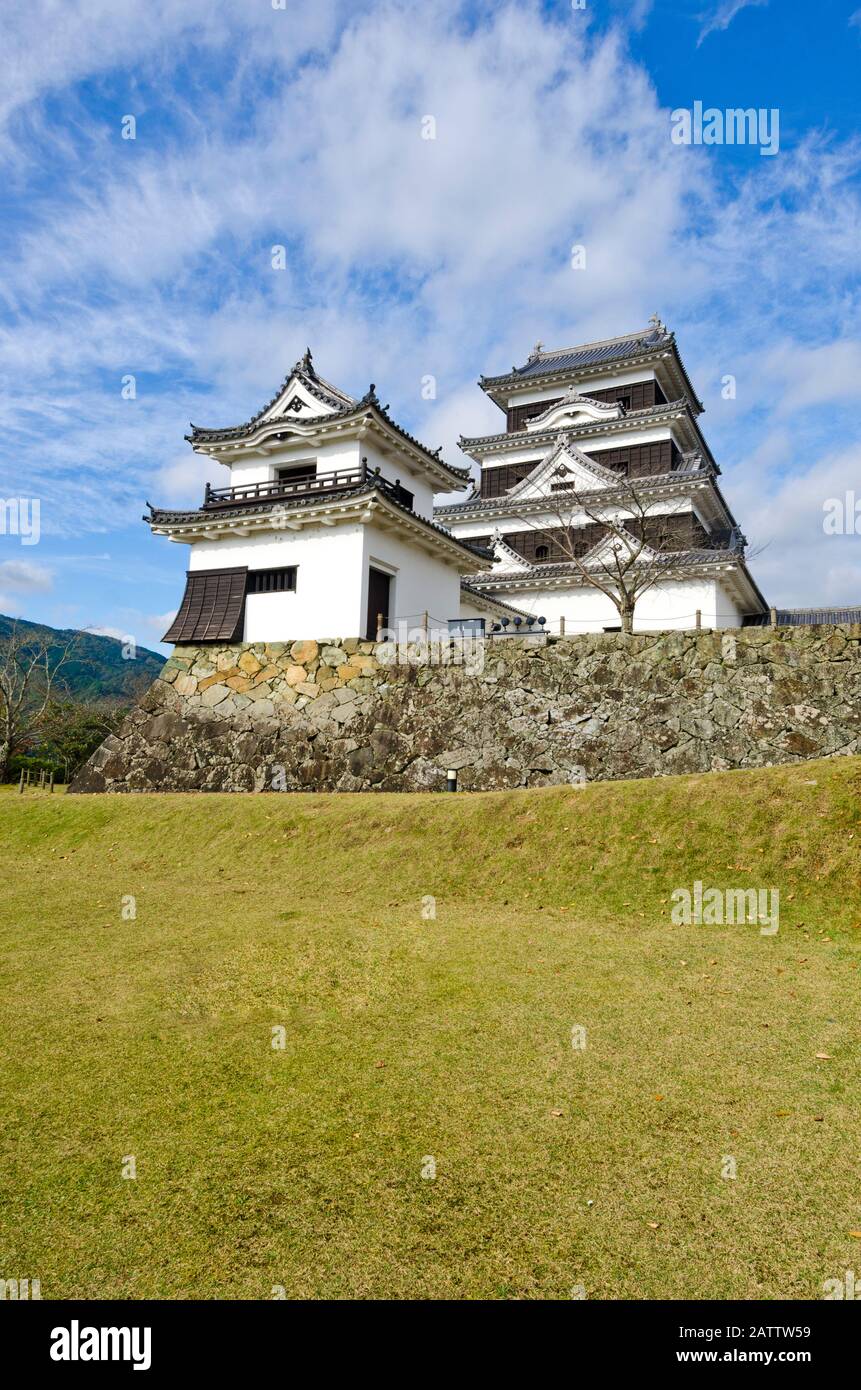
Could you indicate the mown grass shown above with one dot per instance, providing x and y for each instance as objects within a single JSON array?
[{"x": 409, "y": 1037}]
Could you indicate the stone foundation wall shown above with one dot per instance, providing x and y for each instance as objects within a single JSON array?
[{"x": 339, "y": 716}]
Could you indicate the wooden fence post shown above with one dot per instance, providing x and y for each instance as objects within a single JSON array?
[
  {"x": 699, "y": 618},
  {"x": 21, "y": 782},
  {"x": 561, "y": 627},
  {"x": 51, "y": 787}
]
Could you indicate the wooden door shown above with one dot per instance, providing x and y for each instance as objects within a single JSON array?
[{"x": 379, "y": 589}]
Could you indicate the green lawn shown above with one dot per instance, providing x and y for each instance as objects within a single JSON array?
[{"x": 409, "y": 1037}]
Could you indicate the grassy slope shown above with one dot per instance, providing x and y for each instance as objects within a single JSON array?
[{"x": 450, "y": 1038}]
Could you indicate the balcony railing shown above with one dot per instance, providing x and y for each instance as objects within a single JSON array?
[{"x": 320, "y": 484}]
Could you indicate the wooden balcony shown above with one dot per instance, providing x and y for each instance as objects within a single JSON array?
[{"x": 320, "y": 485}]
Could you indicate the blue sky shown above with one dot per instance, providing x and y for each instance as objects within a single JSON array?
[{"x": 301, "y": 127}]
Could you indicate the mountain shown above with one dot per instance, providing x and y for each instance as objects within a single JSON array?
[{"x": 97, "y": 670}]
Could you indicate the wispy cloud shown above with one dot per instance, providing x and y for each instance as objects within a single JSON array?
[
  {"x": 723, "y": 16},
  {"x": 405, "y": 256},
  {"x": 24, "y": 577}
]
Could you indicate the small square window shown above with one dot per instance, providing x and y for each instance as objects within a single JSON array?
[{"x": 298, "y": 472}]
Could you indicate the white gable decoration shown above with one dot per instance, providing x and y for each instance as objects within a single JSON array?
[
  {"x": 602, "y": 554},
  {"x": 564, "y": 464},
  {"x": 296, "y": 401},
  {"x": 506, "y": 558},
  {"x": 575, "y": 409}
]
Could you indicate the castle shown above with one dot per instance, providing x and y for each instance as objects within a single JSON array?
[{"x": 601, "y": 481}]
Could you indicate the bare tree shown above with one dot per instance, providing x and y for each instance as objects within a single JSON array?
[
  {"x": 71, "y": 729},
  {"x": 30, "y": 665},
  {"x": 629, "y": 548}
]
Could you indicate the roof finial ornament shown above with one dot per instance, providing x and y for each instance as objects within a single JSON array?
[
  {"x": 657, "y": 323},
  {"x": 306, "y": 361},
  {"x": 537, "y": 350}
]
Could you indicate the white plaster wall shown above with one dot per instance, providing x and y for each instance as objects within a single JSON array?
[
  {"x": 329, "y": 581},
  {"x": 332, "y": 579},
  {"x": 261, "y": 468},
  {"x": 332, "y": 457},
  {"x": 665, "y": 607},
  {"x": 410, "y": 477},
  {"x": 253, "y": 469},
  {"x": 469, "y": 609},
  {"x": 421, "y": 581}
]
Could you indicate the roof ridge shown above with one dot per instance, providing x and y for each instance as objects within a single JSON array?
[
  {"x": 316, "y": 385},
  {"x": 630, "y": 415},
  {"x": 351, "y": 494},
  {"x": 649, "y": 332}
]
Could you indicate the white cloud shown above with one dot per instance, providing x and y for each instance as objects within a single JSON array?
[
  {"x": 723, "y": 16},
  {"x": 406, "y": 257},
  {"x": 25, "y": 577},
  {"x": 819, "y": 376},
  {"x": 50, "y": 45},
  {"x": 780, "y": 496},
  {"x": 636, "y": 12}
]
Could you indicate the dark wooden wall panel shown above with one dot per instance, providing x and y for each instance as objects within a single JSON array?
[
  {"x": 683, "y": 532},
  {"x": 640, "y": 460},
  {"x": 635, "y": 461},
  {"x": 495, "y": 482},
  {"x": 639, "y": 395}
]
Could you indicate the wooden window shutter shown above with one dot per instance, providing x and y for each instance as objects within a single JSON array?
[{"x": 212, "y": 608}]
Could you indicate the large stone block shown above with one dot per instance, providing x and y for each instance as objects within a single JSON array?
[{"x": 341, "y": 715}]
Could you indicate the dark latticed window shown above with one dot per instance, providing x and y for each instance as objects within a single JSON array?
[
  {"x": 272, "y": 581},
  {"x": 542, "y": 552},
  {"x": 298, "y": 472}
]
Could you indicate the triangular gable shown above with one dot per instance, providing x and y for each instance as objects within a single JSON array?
[
  {"x": 602, "y": 552},
  {"x": 303, "y": 394},
  {"x": 505, "y": 556},
  {"x": 564, "y": 464},
  {"x": 574, "y": 409}
]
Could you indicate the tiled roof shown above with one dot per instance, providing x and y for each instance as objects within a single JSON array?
[
  {"x": 219, "y": 436},
  {"x": 660, "y": 480},
  {"x": 468, "y": 588},
  {"x": 587, "y": 355},
  {"x": 160, "y": 516},
  {"x": 804, "y": 617},
  {"x": 315, "y": 385},
  {"x": 590, "y": 354},
  {"x": 681, "y": 559},
  {"x": 353, "y": 409},
  {"x": 630, "y": 418}
]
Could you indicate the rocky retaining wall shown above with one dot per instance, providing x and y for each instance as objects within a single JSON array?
[{"x": 340, "y": 716}]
